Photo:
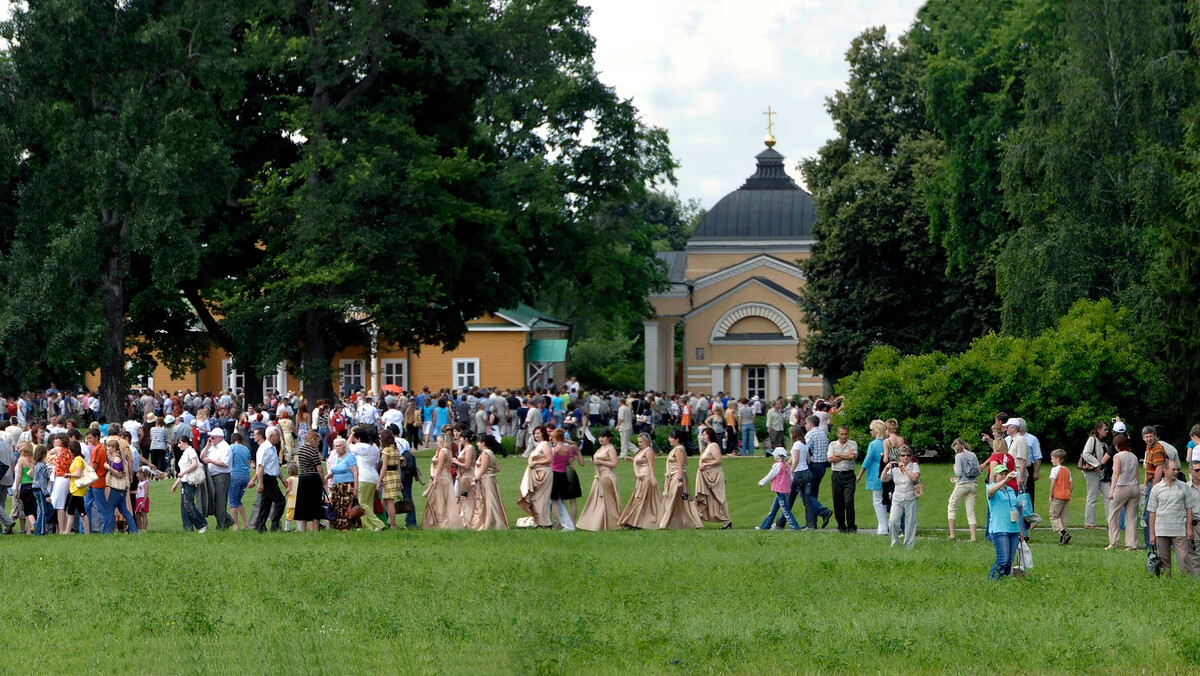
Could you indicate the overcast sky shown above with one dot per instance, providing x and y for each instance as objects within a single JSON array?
[{"x": 706, "y": 70}]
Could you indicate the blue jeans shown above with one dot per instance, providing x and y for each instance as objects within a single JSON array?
[
  {"x": 781, "y": 502},
  {"x": 192, "y": 518},
  {"x": 801, "y": 485},
  {"x": 559, "y": 416},
  {"x": 116, "y": 500},
  {"x": 748, "y": 439},
  {"x": 818, "y": 473},
  {"x": 98, "y": 521},
  {"x": 410, "y": 518},
  {"x": 237, "y": 488},
  {"x": 43, "y": 509},
  {"x": 324, "y": 432},
  {"x": 1006, "y": 550}
]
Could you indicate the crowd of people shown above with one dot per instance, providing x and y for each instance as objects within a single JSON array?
[{"x": 349, "y": 463}]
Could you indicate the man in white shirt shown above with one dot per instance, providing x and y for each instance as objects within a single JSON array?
[
  {"x": 14, "y": 432},
  {"x": 23, "y": 410},
  {"x": 625, "y": 427},
  {"x": 532, "y": 419},
  {"x": 266, "y": 480},
  {"x": 367, "y": 414},
  {"x": 842, "y": 453},
  {"x": 394, "y": 416},
  {"x": 218, "y": 456},
  {"x": 1018, "y": 447}
]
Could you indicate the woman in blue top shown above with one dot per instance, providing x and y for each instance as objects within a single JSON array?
[
  {"x": 871, "y": 469},
  {"x": 1003, "y": 526},
  {"x": 427, "y": 428},
  {"x": 239, "y": 478},
  {"x": 441, "y": 416},
  {"x": 343, "y": 471}
]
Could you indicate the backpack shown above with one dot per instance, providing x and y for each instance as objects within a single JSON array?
[{"x": 972, "y": 470}]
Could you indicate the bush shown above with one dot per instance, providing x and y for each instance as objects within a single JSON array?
[{"x": 1084, "y": 370}]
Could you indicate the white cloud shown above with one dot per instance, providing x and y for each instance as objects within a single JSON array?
[{"x": 706, "y": 69}]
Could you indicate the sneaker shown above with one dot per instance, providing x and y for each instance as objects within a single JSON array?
[
  {"x": 1066, "y": 538},
  {"x": 776, "y": 528},
  {"x": 203, "y": 530}
]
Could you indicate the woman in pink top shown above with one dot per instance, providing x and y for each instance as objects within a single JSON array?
[
  {"x": 780, "y": 478},
  {"x": 560, "y": 486}
]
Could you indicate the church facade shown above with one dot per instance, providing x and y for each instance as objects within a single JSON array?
[{"x": 734, "y": 294}]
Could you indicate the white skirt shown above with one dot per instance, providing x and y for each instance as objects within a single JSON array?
[
  {"x": 426, "y": 427},
  {"x": 58, "y": 494}
]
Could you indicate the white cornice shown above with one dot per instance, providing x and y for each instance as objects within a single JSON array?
[{"x": 762, "y": 260}]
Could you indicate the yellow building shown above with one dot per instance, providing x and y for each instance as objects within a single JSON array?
[
  {"x": 734, "y": 293},
  {"x": 509, "y": 349}
]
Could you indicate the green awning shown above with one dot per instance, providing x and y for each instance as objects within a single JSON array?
[{"x": 546, "y": 349}]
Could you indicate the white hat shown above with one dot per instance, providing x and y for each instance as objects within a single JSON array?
[
  {"x": 169, "y": 419},
  {"x": 1119, "y": 427},
  {"x": 780, "y": 452},
  {"x": 217, "y": 432},
  {"x": 1013, "y": 422}
]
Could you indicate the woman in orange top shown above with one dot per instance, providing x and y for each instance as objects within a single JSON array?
[
  {"x": 62, "y": 480},
  {"x": 685, "y": 419}
]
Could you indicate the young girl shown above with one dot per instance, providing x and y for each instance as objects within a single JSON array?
[
  {"x": 41, "y": 489},
  {"x": 141, "y": 505},
  {"x": 780, "y": 478},
  {"x": 290, "y": 483}
]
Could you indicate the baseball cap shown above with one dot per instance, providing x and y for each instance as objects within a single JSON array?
[
  {"x": 217, "y": 432},
  {"x": 1119, "y": 427},
  {"x": 999, "y": 469},
  {"x": 780, "y": 452},
  {"x": 1012, "y": 422}
]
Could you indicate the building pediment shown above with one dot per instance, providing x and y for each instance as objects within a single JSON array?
[{"x": 748, "y": 265}]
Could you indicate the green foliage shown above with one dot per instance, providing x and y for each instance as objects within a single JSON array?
[
  {"x": 607, "y": 361},
  {"x": 1086, "y": 369},
  {"x": 872, "y": 277}
]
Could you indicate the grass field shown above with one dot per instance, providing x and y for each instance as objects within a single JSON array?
[{"x": 549, "y": 602}]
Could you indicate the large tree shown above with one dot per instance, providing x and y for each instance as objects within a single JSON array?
[
  {"x": 873, "y": 278},
  {"x": 450, "y": 158},
  {"x": 113, "y": 110}
]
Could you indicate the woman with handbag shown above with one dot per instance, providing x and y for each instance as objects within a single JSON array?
[
  {"x": 489, "y": 508},
  {"x": 118, "y": 476},
  {"x": 343, "y": 495},
  {"x": 464, "y": 462},
  {"x": 710, "y": 483},
  {"x": 191, "y": 475},
  {"x": 678, "y": 509},
  {"x": 905, "y": 476},
  {"x": 1091, "y": 464},
  {"x": 309, "y": 509}
]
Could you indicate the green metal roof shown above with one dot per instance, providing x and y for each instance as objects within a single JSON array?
[
  {"x": 533, "y": 318},
  {"x": 553, "y": 349}
]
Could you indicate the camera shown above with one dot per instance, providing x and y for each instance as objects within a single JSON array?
[{"x": 464, "y": 494}]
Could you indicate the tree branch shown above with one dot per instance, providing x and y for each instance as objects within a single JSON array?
[
  {"x": 363, "y": 85},
  {"x": 214, "y": 328}
]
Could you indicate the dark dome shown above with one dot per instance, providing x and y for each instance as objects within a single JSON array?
[{"x": 769, "y": 205}]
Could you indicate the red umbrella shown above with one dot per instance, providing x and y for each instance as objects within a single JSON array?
[{"x": 394, "y": 389}]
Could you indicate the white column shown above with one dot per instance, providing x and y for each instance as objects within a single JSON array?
[
  {"x": 281, "y": 377},
  {"x": 374, "y": 362},
  {"x": 791, "y": 379},
  {"x": 773, "y": 382},
  {"x": 652, "y": 350},
  {"x": 735, "y": 381},
  {"x": 667, "y": 380},
  {"x": 718, "y": 378}
]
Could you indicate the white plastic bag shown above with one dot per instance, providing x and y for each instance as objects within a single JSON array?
[{"x": 1024, "y": 557}]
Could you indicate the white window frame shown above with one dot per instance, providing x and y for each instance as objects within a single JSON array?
[
  {"x": 469, "y": 377},
  {"x": 231, "y": 378},
  {"x": 143, "y": 382},
  {"x": 347, "y": 379},
  {"x": 758, "y": 373},
  {"x": 399, "y": 374}
]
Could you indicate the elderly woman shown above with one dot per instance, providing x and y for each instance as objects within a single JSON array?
[
  {"x": 1004, "y": 527},
  {"x": 904, "y": 475},
  {"x": 343, "y": 495},
  {"x": 309, "y": 510}
]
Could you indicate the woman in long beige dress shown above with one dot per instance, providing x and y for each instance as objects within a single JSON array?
[
  {"x": 489, "y": 508},
  {"x": 678, "y": 509},
  {"x": 602, "y": 511},
  {"x": 466, "y": 493},
  {"x": 710, "y": 483},
  {"x": 441, "y": 511},
  {"x": 535, "y": 485},
  {"x": 642, "y": 510}
]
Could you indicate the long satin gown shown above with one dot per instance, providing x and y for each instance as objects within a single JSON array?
[
  {"x": 710, "y": 489},
  {"x": 489, "y": 508},
  {"x": 535, "y": 486},
  {"x": 441, "y": 510},
  {"x": 602, "y": 511},
  {"x": 466, "y": 503},
  {"x": 675, "y": 512},
  {"x": 642, "y": 508}
]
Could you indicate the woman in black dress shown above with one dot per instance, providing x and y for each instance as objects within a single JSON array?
[{"x": 309, "y": 509}]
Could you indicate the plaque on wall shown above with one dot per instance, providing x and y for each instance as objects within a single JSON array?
[{"x": 699, "y": 353}]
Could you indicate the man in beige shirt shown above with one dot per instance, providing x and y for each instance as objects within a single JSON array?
[{"x": 842, "y": 453}]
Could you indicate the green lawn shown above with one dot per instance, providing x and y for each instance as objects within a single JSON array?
[{"x": 623, "y": 602}]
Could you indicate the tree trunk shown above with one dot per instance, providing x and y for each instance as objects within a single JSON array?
[
  {"x": 318, "y": 353},
  {"x": 112, "y": 368},
  {"x": 253, "y": 390}
]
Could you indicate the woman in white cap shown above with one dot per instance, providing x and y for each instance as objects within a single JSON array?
[
  {"x": 780, "y": 478},
  {"x": 1004, "y": 526}
]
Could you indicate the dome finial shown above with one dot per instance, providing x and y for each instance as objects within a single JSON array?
[{"x": 769, "y": 139}]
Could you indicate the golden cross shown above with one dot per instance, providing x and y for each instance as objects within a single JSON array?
[{"x": 770, "y": 120}]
